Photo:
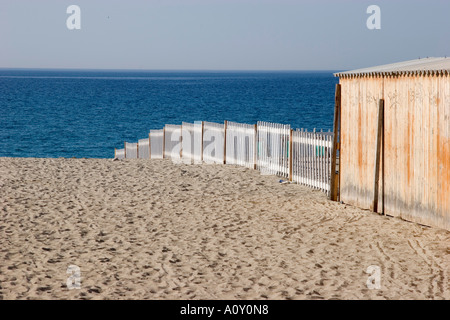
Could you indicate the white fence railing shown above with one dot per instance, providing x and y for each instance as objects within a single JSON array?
[
  {"x": 311, "y": 158},
  {"x": 157, "y": 144},
  {"x": 172, "y": 141},
  {"x": 119, "y": 154},
  {"x": 144, "y": 149},
  {"x": 273, "y": 148},
  {"x": 301, "y": 156},
  {"x": 191, "y": 142},
  {"x": 131, "y": 150},
  {"x": 213, "y": 142},
  {"x": 240, "y": 147}
]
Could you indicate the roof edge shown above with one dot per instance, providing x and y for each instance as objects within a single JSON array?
[{"x": 422, "y": 67}]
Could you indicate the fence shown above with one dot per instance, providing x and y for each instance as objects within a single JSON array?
[
  {"x": 311, "y": 158},
  {"x": 191, "y": 142},
  {"x": 131, "y": 150},
  {"x": 240, "y": 147},
  {"x": 143, "y": 149},
  {"x": 213, "y": 142},
  {"x": 156, "y": 144},
  {"x": 119, "y": 154},
  {"x": 273, "y": 148},
  {"x": 172, "y": 140},
  {"x": 301, "y": 156}
]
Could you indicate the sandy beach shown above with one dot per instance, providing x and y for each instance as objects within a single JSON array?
[{"x": 150, "y": 229}]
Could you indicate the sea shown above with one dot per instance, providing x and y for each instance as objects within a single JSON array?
[{"x": 88, "y": 113}]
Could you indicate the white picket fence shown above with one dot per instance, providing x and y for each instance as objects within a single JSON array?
[
  {"x": 240, "y": 147},
  {"x": 157, "y": 144},
  {"x": 213, "y": 142},
  {"x": 311, "y": 158},
  {"x": 191, "y": 142},
  {"x": 301, "y": 156},
  {"x": 144, "y": 149},
  {"x": 131, "y": 150},
  {"x": 119, "y": 154},
  {"x": 172, "y": 141},
  {"x": 273, "y": 148}
]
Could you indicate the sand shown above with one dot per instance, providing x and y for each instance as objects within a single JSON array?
[{"x": 150, "y": 229}]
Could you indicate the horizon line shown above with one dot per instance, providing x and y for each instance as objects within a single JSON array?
[{"x": 170, "y": 70}]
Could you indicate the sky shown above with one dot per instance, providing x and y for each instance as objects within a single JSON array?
[{"x": 220, "y": 34}]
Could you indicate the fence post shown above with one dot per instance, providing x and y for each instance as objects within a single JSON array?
[
  {"x": 137, "y": 150},
  {"x": 225, "y": 142},
  {"x": 336, "y": 130},
  {"x": 125, "y": 150},
  {"x": 377, "y": 154},
  {"x": 149, "y": 147},
  {"x": 255, "y": 145},
  {"x": 290, "y": 155},
  {"x": 164, "y": 142},
  {"x": 201, "y": 153},
  {"x": 181, "y": 142}
]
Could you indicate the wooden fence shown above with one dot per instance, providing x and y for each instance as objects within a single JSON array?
[
  {"x": 298, "y": 155},
  {"x": 240, "y": 146},
  {"x": 273, "y": 148},
  {"x": 213, "y": 147},
  {"x": 311, "y": 158},
  {"x": 143, "y": 149},
  {"x": 156, "y": 144},
  {"x": 191, "y": 142}
]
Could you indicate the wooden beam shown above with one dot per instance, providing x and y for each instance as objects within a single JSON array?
[
  {"x": 164, "y": 142},
  {"x": 336, "y": 129},
  {"x": 201, "y": 150},
  {"x": 338, "y": 161},
  {"x": 149, "y": 147},
  {"x": 377, "y": 155},
  {"x": 290, "y": 155},
  {"x": 255, "y": 146},
  {"x": 181, "y": 142},
  {"x": 225, "y": 142}
]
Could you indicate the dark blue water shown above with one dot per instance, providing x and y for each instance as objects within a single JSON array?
[{"x": 60, "y": 113}]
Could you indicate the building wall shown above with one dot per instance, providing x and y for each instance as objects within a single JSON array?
[{"x": 415, "y": 167}]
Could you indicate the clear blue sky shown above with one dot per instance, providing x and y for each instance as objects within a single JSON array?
[{"x": 220, "y": 34}]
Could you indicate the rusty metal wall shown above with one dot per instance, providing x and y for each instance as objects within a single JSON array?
[{"x": 415, "y": 167}]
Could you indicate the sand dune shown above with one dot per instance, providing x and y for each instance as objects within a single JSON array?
[{"x": 141, "y": 229}]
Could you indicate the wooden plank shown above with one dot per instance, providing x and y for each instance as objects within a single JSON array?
[
  {"x": 338, "y": 164},
  {"x": 303, "y": 157},
  {"x": 164, "y": 142},
  {"x": 149, "y": 147},
  {"x": 255, "y": 145},
  {"x": 316, "y": 160},
  {"x": 181, "y": 142},
  {"x": 309, "y": 162},
  {"x": 377, "y": 154},
  {"x": 290, "y": 155},
  {"x": 125, "y": 150},
  {"x": 336, "y": 129},
  {"x": 225, "y": 142},
  {"x": 201, "y": 153}
]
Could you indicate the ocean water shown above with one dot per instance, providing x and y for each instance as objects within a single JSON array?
[{"x": 67, "y": 113}]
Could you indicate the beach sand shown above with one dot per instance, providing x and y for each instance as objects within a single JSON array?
[{"x": 151, "y": 229}]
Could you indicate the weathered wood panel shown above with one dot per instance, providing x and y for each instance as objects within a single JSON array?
[
  {"x": 415, "y": 168},
  {"x": 358, "y": 139}
]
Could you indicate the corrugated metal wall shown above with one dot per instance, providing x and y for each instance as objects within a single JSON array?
[{"x": 416, "y": 170}]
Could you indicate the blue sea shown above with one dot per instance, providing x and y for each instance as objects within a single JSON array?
[{"x": 88, "y": 113}]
